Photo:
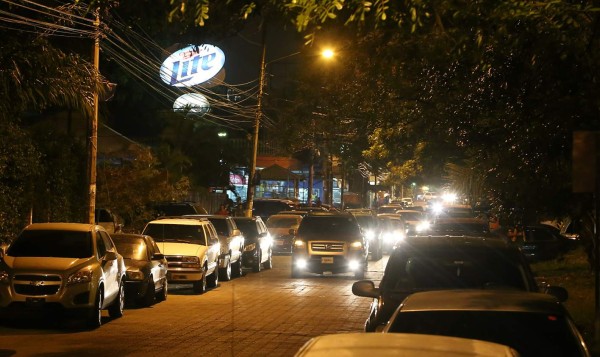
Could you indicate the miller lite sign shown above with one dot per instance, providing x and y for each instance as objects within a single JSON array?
[{"x": 192, "y": 65}]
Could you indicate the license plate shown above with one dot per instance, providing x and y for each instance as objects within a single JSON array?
[
  {"x": 327, "y": 260},
  {"x": 35, "y": 301},
  {"x": 178, "y": 277},
  {"x": 278, "y": 242}
]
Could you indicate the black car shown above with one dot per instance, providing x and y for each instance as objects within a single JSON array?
[
  {"x": 544, "y": 242},
  {"x": 258, "y": 250},
  {"x": 146, "y": 276},
  {"x": 446, "y": 262}
]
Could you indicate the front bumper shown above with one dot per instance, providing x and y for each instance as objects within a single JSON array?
[{"x": 328, "y": 263}]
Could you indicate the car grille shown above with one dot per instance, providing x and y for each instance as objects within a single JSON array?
[
  {"x": 174, "y": 261},
  {"x": 326, "y": 247},
  {"x": 36, "y": 285}
]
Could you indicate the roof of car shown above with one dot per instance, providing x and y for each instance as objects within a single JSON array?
[
  {"x": 81, "y": 227},
  {"x": 129, "y": 236},
  {"x": 483, "y": 300},
  {"x": 285, "y": 215},
  {"x": 399, "y": 344},
  {"x": 212, "y": 216},
  {"x": 445, "y": 240},
  {"x": 180, "y": 220}
]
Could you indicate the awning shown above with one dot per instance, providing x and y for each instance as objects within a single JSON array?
[{"x": 278, "y": 173}]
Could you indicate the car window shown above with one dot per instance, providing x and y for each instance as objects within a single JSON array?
[
  {"x": 52, "y": 243},
  {"x": 367, "y": 222},
  {"x": 451, "y": 266},
  {"x": 329, "y": 225},
  {"x": 133, "y": 249},
  {"x": 108, "y": 243},
  {"x": 281, "y": 222},
  {"x": 184, "y": 233},
  {"x": 532, "y": 334},
  {"x": 248, "y": 227},
  {"x": 100, "y": 246},
  {"x": 220, "y": 225}
]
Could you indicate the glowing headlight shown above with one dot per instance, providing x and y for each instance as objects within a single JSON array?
[
  {"x": 423, "y": 226},
  {"x": 82, "y": 276},
  {"x": 356, "y": 245},
  {"x": 389, "y": 237},
  {"x": 4, "y": 277},
  {"x": 301, "y": 263},
  {"x": 250, "y": 247},
  {"x": 299, "y": 243},
  {"x": 354, "y": 264},
  {"x": 370, "y": 234},
  {"x": 449, "y": 197},
  {"x": 437, "y": 208},
  {"x": 135, "y": 275}
]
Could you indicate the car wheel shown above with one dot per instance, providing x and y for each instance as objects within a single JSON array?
[
  {"x": 148, "y": 299},
  {"x": 238, "y": 268},
  {"x": 269, "y": 263},
  {"x": 225, "y": 273},
  {"x": 94, "y": 315},
  {"x": 162, "y": 294},
  {"x": 257, "y": 264},
  {"x": 213, "y": 279},
  {"x": 199, "y": 286},
  {"x": 116, "y": 308}
]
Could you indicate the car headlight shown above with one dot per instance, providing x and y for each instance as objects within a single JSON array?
[
  {"x": 370, "y": 234},
  {"x": 299, "y": 243},
  {"x": 4, "y": 277},
  {"x": 356, "y": 245},
  {"x": 250, "y": 247},
  {"x": 423, "y": 226},
  {"x": 135, "y": 274},
  {"x": 190, "y": 262},
  {"x": 82, "y": 276}
]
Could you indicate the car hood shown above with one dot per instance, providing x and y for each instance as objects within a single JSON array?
[
  {"x": 330, "y": 237},
  {"x": 46, "y": 263},
  {"x": 170, "y": 248}
]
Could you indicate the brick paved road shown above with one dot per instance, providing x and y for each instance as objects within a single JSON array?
[{"x": 259, "y": 314}]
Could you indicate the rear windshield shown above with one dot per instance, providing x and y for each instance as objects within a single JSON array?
[
  {"x": 52, "y": 243},
  {"x": 453, "y": 267},
  {"x": 182, "y": 233},
  {"x": 220, "y": 225},
  {"x": 322, "y": 225},
  {"x": 248, "y": 228},
  {"x": 532, "y": 334},
  {"x": 132, "y": 249}
]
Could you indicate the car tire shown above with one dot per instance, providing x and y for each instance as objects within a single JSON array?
[
  {"x": 225, "y": 273},
  {"x": 148, "y": 298},
  {"x": 94, "y": 315},
  {"x": 115, "y": 309},
  {"x": 257, "y": 264},
  {"x": 199, "y": 287},
  {"x": 163, "y": 293},
  {"x": 269, "y": 263},
  {"x": 213, "y": 279},
  {"x": 238, "y": 268}
]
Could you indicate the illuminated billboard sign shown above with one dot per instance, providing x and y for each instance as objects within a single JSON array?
[
  {"x": 193, "y": 104},
  {"x": 192, "y": 65}
]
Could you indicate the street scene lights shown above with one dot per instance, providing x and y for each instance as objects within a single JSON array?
[{"x": 327, "y": 53}]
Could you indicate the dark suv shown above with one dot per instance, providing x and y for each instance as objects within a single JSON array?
[
  {"x": 330, "y": 242},
  {"x": 450, "y": 262}
]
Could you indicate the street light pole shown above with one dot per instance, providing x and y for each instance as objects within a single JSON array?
[
  {"x": 252, "y": 174},
  {"x": 93, "y": 135}
]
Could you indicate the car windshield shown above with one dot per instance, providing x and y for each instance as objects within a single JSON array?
[
  {"x": 183, "y": 233},
  {"x": 132, "y": 249},
  {"x": 452, "y": 266},
  {"x": 248, "y": 228},
  {"x": 52, "y": 243},
  {"x": 367, "y": 222},
  {"x": 220, "y": 225},
  {"x": 323, "y": 225},
  {"x": 531, "y": 334},
  {"x": 281, "y": 222}
]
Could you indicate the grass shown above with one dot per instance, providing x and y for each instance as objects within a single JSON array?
[{"x": 574, "y": 273}]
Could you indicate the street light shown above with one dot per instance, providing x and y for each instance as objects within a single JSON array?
[{"x": 261, "y": 82}]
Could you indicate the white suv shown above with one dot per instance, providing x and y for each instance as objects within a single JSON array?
[
  {"x": 191, "y": 246},
  {"x": 65, "y": 267}
]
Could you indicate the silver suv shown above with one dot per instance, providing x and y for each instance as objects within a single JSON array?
[
  {"x": 192, "y": 248},
  {"x": 64, "y": 267}
]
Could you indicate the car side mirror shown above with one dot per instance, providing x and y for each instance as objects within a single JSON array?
[
  {"x": 365, "y": 288},
  {"x": 110, "y": 255},
  {"x": 237, "y": 232},
  {"x": 158, "y": 256}
]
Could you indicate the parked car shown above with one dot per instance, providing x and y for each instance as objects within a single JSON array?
[
  {"x": 192, "y": 248},
  {"x": 232, "y": 245},
  {"x": 146, "y": 275},
  {"x": 258, "y": 251},
  {"x": 268, "y": 206},
  {"x": 282, "y": 228},
  {"x": 544, "y": 242},
  {"x": 533, "y": 324},
  {"x": 70, "y": 268},
  {"x": 432, "y": 263},
  {"x": 330, "y": 242},
  {"x": 393, "y": 230},
  {"x": 400, "y": 344},
  {"x": 368, "y": 222}
]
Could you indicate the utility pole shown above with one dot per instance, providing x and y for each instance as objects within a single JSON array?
[{"x": 93, "y": 134}]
